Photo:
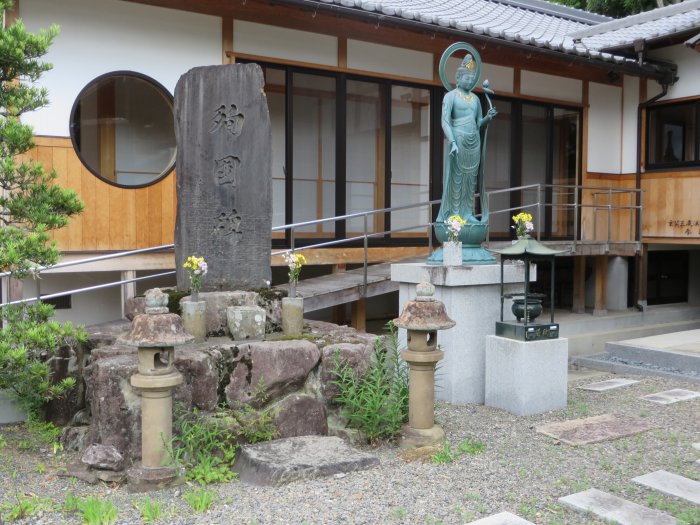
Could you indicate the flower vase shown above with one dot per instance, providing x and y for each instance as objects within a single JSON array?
[
  {"x": 452, "y": 253},
  {"x": 292, "y": 315},
  {"x": 292, "y": 289},
  {"x": 194, "y": 317}
]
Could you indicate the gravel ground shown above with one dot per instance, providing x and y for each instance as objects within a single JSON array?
[{"x": 519, "y": 471}]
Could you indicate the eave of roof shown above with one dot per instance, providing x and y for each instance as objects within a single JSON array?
[{"x": 533, "y": 24}]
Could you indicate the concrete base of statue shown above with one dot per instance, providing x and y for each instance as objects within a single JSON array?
[
  {"x": 526, "y": 377},
  {"x": 292, "y": 316},
  {"x": 194, "y": 319},
  {"x": 471, "y": 295}
]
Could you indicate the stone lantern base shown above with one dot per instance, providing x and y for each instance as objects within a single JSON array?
[
  {"x": 144, "y": 479},
  {"x": 421, "y": 437}
]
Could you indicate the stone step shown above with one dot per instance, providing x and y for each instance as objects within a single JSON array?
[
  {"x": 671, "y": 484},
  {"x": 616, "y": 510},
  {"x": 610, "y": 384},
  {"x": 281, "y": 461},
  {"x": 646, "y": 351},
  {"x": 607, "y": 363},
  {"x": 503, "y": 518},
  {"x": 669, "y": 397},
  {"x": 591, "y": 337}
]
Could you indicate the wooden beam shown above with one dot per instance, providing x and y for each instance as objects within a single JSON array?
[
  {"x": 579, "y": 301},
  {"x": 600, "y": 307},
  {"x": 359, "y": 314},
  {"x": 226, "y": 39}
]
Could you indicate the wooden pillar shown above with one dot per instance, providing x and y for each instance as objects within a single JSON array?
[
  {"x": 128, "y": 290},
  {"x": 579, "y": 305},
  {"x": 601, "y": 285},
  {"x": 642, "y": 266},
  {"x": 338, "y": 312},
  {"x": 359, "y": 314}
]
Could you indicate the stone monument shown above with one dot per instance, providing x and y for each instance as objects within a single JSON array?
[{"x": 224, "y": 177}]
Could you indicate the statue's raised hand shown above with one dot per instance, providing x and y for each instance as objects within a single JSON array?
[{"x": 491, "y": 113}]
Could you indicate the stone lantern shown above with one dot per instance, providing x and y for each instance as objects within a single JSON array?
[
  {"x": 156, "y": 334},
  {"x": 422, "y": 318}
]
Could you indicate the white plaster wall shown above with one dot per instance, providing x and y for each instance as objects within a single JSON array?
[
  {"x": 604, "y": 128},
  {"x": 630, "y": 100},
  {"x": 390, "y": 60},
  {"x": 290, "y": 44},
  {"x": 99, "y": 36},
  {"x": 87, "y": 308},
  {"x": 550, "y": 86},
  {"x": 653, "y": 88},
  {"x": 688, "y": 62},
  {"x": 500, "y": 77}
]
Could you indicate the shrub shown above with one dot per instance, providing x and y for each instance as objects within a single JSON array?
[
  {"x": 27, "y": 341},
  {"x": 376, "y": 402}
]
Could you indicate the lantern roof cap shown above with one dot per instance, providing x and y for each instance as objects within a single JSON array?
[{"x": 424, "y": 313}]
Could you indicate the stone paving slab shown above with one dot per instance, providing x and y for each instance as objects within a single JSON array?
[
  {"x": 610, "y": 384},
  {"x": 696, "y": 446},
  {"x": 671, "y": 396},
  {"x": 616, "y": 510},
  {"x": 503, "y": 518},
  {"x": 671, "y": 484},
  {"x": 595, "y": 429},
  {"x": 282, "y": 461}
]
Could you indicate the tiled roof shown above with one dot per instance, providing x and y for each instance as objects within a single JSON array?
[
  {"x": 658, "y": 23},
  {"x": 535, "y": 23}
]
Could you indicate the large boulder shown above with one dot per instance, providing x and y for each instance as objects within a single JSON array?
[
  {"x": 354, "y": 355},
  {"x": 276, "y": 367},
  {"x": 300, "y": 415},
  {"x": 115, "y": 405}
]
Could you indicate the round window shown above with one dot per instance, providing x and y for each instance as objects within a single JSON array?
[{"x": 123, "y": 129}]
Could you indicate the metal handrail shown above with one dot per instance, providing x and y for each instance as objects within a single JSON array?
[{"x": 539, "y": 205}]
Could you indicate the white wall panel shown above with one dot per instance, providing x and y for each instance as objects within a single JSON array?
[
  {"x": 100, "y": 36},
  {"x": 604, "y": 128},
  {"x": 390, "y": 60},
  {"x": 550, "y": 86},
  {"x": 289, "y": 44},
  {"x": 688, "y": 62},
  {"x": 500, "y": 77},
  {"x": 630, "y": 99}
]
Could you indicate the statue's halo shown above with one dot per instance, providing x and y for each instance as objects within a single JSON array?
[{"x": 458, "y": 46}]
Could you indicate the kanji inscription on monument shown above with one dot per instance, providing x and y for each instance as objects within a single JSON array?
[{"x": 224, "y": 178}]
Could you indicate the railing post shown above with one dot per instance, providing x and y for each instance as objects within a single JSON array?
[
  {"x": 641, "y": 209},
  {"x": 430, "y": 230},
  {"x": 576, "y": 204},
  {"x": 609, "y": 214},
  {"x": 364, "y": 283},
  {"x": 631, "y": 214},
  {"x": 539, "y": 211}
]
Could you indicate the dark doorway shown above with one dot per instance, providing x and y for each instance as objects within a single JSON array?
[{"x": 667, "y": 277}]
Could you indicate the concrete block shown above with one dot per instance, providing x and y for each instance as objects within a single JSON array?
[
  {"x": 246, "y": 322},
  {"x": 526, "y": 377}
]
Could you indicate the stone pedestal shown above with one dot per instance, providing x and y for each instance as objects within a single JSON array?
[
  {"x": 471, "y": 295},
  {"x": 246, "y": 322},
  {"x": 194, "y": 319},
  {"x": 292, "y": 315},
  {"x": 526, "y": 377}
]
